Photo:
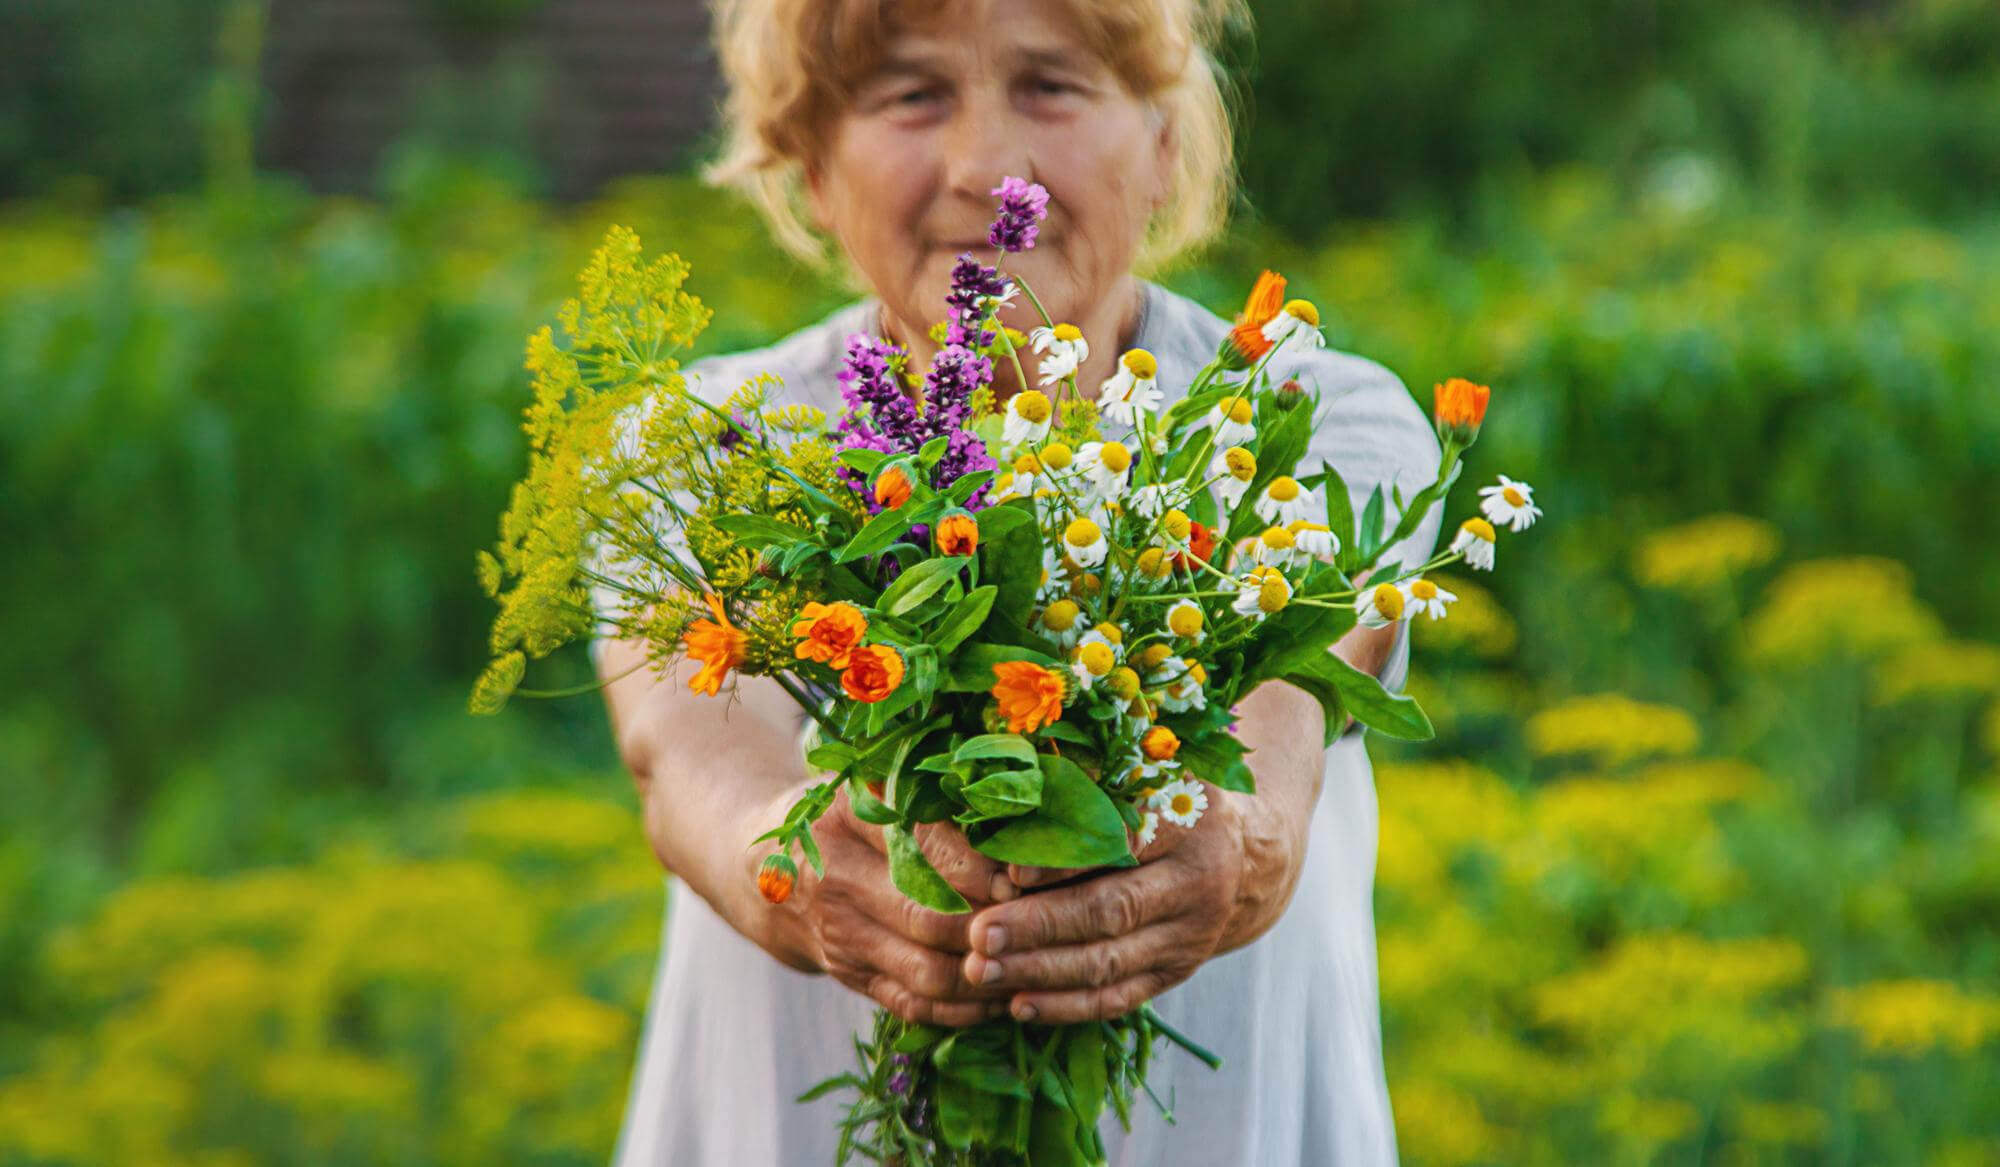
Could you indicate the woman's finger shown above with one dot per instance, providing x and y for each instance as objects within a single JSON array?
[
  {"x": 1093, "y": 1004},
  {"x": 1081, "y": 966},
  {"x": 1113, "y": 904},
  {"x": 975, "y": 876},
  {"x": 1027, "y": 877}
]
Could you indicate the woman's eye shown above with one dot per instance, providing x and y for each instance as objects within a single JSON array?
[{"x": 915, "y": 97}]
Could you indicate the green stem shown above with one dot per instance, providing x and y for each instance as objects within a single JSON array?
[{"x": 1152, "y": 1015}]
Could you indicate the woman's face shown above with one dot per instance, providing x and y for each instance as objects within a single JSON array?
[{"x": 904, "y": 179}]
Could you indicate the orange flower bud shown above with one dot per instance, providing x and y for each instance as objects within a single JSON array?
[
  {"x": 873, "y": 672},
  {"x": 892, "y": 488},
  {"x": 776, "y": 877},
  {"x": 1460, "y": 409},
  {"x": 1159, "y": 743},
  {"x": 957, "y": 534}
]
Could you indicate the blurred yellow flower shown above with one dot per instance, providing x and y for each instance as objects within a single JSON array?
[
  {"x": 1437, "y": 1124},
  {"x": 1779, "y": 1123},
  {"x": 1611, "y": 728},
  {"x": 1647, "y": 1120},
  {"x": 1915, "y": 1016},
  {"x": 1937, "y": 668},
  {"x": 1829, "y": 607},
  {"x": 1697, "y": 555},
  {"x": 1653, "y": 991},
  {"x": 1478, "y": 623}
]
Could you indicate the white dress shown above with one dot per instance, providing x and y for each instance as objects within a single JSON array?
[{"x": 732, "y": 1036}]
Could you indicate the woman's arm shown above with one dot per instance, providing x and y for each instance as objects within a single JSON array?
[{"x": 715, "y": 773}]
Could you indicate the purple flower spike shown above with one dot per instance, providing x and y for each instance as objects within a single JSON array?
[
  {"x": 1023, "y": 206},
  {"x": 899, "y": 1083}
]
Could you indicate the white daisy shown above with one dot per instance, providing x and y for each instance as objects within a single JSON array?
[
  {"x": 1297, "y": 322},
  {"x": 1152, "y": 501},
  {"x": 1275, "y": 547},
  {"x": 1283, "y": 501},
  {"x": 1510, "y": 504},
  {"x": 1149, "y": 829},
  {"x": 1028, "y": 417},
  {"x": 1092, "y": 662},
  {"x": 1108, "y": 635},
  {"x": 1381, "y": 605},
  {"x": 1132, "y": 390},
  {"x": 1428, "y": 598},
  {"x": 1004, "y": 488},
  {"x": 1184, "y": 620},
  {"x": 1315, "y": 539},
  {"x": 1063, "y": 349},
  {"x": 1262, "y": 592},
  {"x": 1055, "y": 577},
  {"x": 1061, "y": 621},
  {"x": 1107, "y": 466},
  {"x": 1235, "y": 467},
  {"x": 1231, "y": 419},
  {"x": 1475, "y": 542},
  {"x": 1083, "y": 541},
  {"x": 1181, "y": 802}
]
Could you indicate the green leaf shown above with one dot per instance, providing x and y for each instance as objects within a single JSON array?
[
  {"x": 915, "y": 877},
  {"x": 833, "y": 757},
  {"x": 1371, "y": 526},
  {"x": 964, "y": 618},
  {"x": 868, "y": 808},
  {"x": 1339, "y": 507},
  {"x": 1390, "y": 714},
  {"x": 1076, "y": 826},
  {"x": 931, "y": 451},
  {"x": 1010, "y": 554},
  {"x": 837, "y": 1082},
  {"x": 962, "y": 1060},
  {"x": 1218, "y": 758},
  {"x": 879, "y": 532},
  {"x": 755, "y": 531},
  {"x": 1087, "y": 1078},
  {"x": 919, "y": 583},
  {"x": 971, "y": 669},
  {"x": 964, "y": 487},
  {"x": 1010, "y": 746},
  {"x": 1005, "y": 794},
  {"x": 863, "y": 460}
]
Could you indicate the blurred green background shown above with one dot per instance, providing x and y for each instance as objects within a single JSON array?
[{"x": 1704, "y": 866}]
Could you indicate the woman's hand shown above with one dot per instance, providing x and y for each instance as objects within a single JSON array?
[
  {"x": 1100, "y": 946},
  {"x": 865, "y": 933}
]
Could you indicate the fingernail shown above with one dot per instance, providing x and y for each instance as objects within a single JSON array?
[
  {"x": 1024, "y": 1012},
  {"x": 991, "y": 974},
  {"x": 996, "y": 939}
]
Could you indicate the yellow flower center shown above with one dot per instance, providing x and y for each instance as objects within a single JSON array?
[
  {"x": 1152, "y": 563},
  {"x": 1185, "y": 620},
  {"x": 1061, "y": 615},
  {"x": 1141, "y": 364},
  {"x": 1303, "y": 310},
  {"x": 1088, "y": 584},
  {"x": 1123, "y": 683},
  {"x": 1115, "y": 457},
  {"x": 1237, "y": 409},
  {"x": 1277, "y": 539},
  {"x": 1274, "y": 594},
  {"x": 1067, "y": 333},
  {"x": 1389, "y": 602},
  {"x": 1082, "y": 533},
  {"x": 1032, "y": 405},
  {"x": 1478, "y": 528},
  {"x": 1196, "y": 673},
  {"x": 1096, "y": 658},
  {"x": 1183, "y": 804},
  {"x": 1514, "y": 497},
  {"x": 1176, "y": 524},
  {"x": 1283, "y": 488},
  {"x": 1027, "y": 464},
  {"x": 1424, "y": 589},
  {"x": 1153, "y": 656},
  {"x": 1057, "y": 455},
  {"x": 1110, "y": 632},
  {"x": 1241, "y": 463}
]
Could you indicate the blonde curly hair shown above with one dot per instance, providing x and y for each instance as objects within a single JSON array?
[{"x": 791, "y": 65}]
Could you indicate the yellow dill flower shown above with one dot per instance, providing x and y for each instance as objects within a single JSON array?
[
  {"x": 1611, "y": 728},
  {"x": 497, "y": 683},
  {"x": 796, "y": 419},
  {"x": 1437, "y": 1123},
  {"x": 1833, "y": 607},
  {"x": 1697, "y": 555},
  {"x": 1937, "y": 668},
  {"x": 1655, "y": 991},
  {"x": 1914, "y": 1016}
]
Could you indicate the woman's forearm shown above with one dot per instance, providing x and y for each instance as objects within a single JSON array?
[
  {"x": 1281, "y": 725},
  {"x": 713, "y": 774}
]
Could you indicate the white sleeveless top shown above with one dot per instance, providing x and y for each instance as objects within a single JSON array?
[{"x": 732, "y": 1036}]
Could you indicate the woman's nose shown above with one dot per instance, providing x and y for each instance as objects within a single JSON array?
[{"x": 984, "y": 144}]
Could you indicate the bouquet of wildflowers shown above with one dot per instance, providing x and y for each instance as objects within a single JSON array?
[{"x": 1031, "y": 621}]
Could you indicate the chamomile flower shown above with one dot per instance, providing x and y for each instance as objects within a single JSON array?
[
  {"x": 1028, "y": 476},
  {"x": 1055, "y": 577},
  {"x": 1181, "y": 802},
  {"x": 1133, "y": 389},
  {"x": 1063, "y": 349},
  {"x": 1510, "y": 504},
  {"x": 1151, "y": 501},
  {"x": 1149, "y": 829},
  {"x": 1184, "y": 620},
  {"x": 1235, "y": 467},
  {"x": 1083, "y": 541},
  {"x": 1057, "y": 457},
  {"x": 1175, "y": 530},
  {"x": 1062, "y": 622},
  {"x": 1003, "y": 488},
  {"x": 1029, "y": 414},
  {"x": 1381, "y": 606},
  {"x": 1184, "y": 690},
  {"x": 1428, "y": 598},
  {"x": 1231, "y": 419},
  {"x": 1092, "y": 661},
  {"x": 1475, "y": 542},
  {"x": 1262, "y": 592},
  {"x": 1275, "y": 547},
  {"x": 1315, "y": 539},
  {"x": 1110, "y": 636},
  {"x": 1106, "y": 466},
  {"x": 1283, "y": 501},
  {"x": 1297, "y": 323}
]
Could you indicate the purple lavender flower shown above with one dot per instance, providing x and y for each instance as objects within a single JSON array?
[
  {"x": 899, "y": 1083},
  {"x": 972, "y": 283},
  {"x": 1023, "y": 206}
]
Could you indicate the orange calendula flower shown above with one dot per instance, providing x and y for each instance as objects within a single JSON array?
[
  {"x": 775, "y": 878},
  {"x": 1159, "y": 743},
  {"x": 892, "y": 488},
  {"x": 1201, "y": 545},
  {"x": 1246, "y": 342},
  {"x": 829, "y": 632},
  {"x": 1030, "y": 696},
  {"x": 1460, "y": 408},
  {"x": 873, "y": 672},
  {"x": 718, "y": 645},
  {"x": 957, "y": 534}
]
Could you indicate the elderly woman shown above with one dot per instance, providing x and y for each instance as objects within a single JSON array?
[{"x": 880, "y": 128}]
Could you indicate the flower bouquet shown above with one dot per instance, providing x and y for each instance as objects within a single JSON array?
[{"x": 1033, "y": 620}]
